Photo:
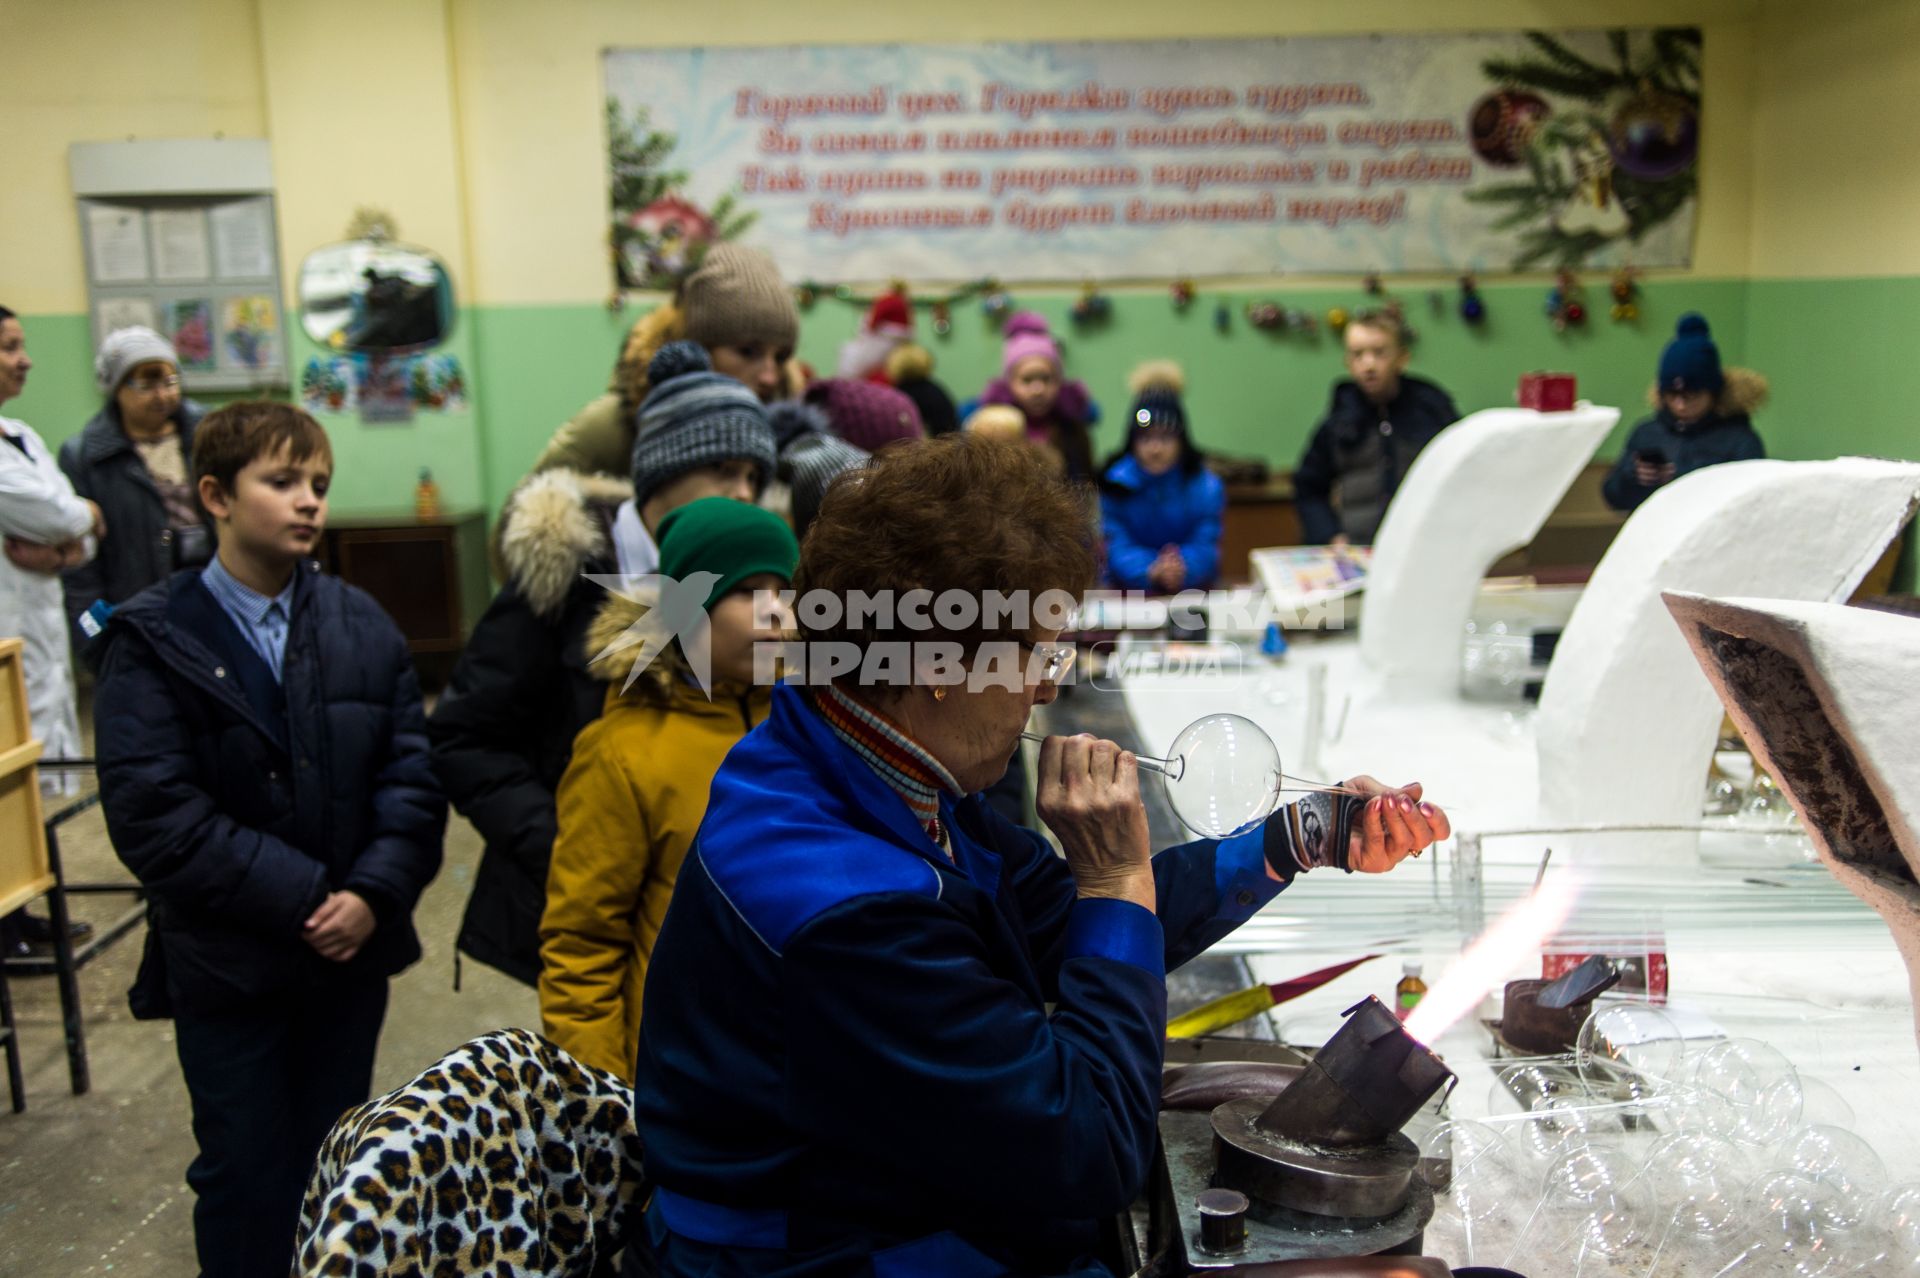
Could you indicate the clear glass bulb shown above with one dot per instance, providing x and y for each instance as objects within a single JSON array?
[
  {"x": 1696, "y": 1179},
  {"x": 1897, "y": 1254},
  {"x": 1792, "y": 1219},
  {"x": 1747, "y": 1092},
  {"x": 1222, "y": 775},
  {"x": 1630, "y": 1051},
  {"x": 1599, "y": 1192},
  {"x": 1471, "y": 1168},
  {"x": 1838, "y": 1158}
]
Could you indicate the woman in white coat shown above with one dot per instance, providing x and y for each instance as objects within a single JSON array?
[{"x": 47, "y": 528}]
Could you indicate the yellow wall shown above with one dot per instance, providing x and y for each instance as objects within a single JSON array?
[
  {"x": 530, "y": 94},
  {"x": 360, "y": 108},
  {"x": 477, "y": 123},
  {"x": 103, "y": 71},
  {"x": 1836, "y": 139}
]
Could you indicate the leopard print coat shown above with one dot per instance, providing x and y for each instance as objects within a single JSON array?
[{"x": 506, "y": 1157}]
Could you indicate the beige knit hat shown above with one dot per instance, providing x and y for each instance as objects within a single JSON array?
[{"x": 737, "y": 298}]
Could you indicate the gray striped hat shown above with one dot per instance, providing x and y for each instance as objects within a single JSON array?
[{"x": 694, "y": 417}]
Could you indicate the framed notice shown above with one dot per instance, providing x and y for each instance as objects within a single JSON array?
[{"x": 203, "y": 271}]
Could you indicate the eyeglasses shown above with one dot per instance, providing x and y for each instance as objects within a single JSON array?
[
  {"x": 1055, "y": 659},
  {"x": 148, "y": 385}
]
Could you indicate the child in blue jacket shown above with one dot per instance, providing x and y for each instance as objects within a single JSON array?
[
  {"x": 263, "y": 769},
  {"x": 1161, "y": 508}
]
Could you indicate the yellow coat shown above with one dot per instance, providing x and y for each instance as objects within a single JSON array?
[{"x": 629, "y": 804}]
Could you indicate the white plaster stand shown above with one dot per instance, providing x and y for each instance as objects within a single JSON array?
[
  {"x": 1627, "y": 724},
  {"x": 1481, "y": 489},
  {"x": 1826, "y": 697}
]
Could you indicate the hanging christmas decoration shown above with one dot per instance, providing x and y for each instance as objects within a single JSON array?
[
  {"x": 1266, "y": 316},
  {"x": 1566, "y": 304},
  {"x": 1337, "y": 318},
  {"x": 1222, "y": 317},
  {"x": 1472, "y": 309},
  {"x": 1372, "y": 284},
  {"x": 1615, "y": 157},
  {"x": 1655, "y": 134},
  {"x": 997, "y": 304},
  {"x": 1502, "y": 124},
  {"x": 1626, "y": 296},
  {"x": 942, "y": 319},
  {"x": 805, "y": 294},
  {"x": 1182, "y": 292},
  {"x": 1092, "y": 307},
  {"x": 1591, "y": 211},
  {"x": 1303, "y": 322}
]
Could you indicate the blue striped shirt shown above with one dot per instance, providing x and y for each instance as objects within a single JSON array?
[{"x": 261, "y": 619}]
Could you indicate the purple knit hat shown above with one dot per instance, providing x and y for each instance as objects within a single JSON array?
[
  {"x": 866, "y": 414},
  {"x": 1027, "y": 335}
]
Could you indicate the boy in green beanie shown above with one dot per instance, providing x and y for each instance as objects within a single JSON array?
[{"x": 636, "y": 788}]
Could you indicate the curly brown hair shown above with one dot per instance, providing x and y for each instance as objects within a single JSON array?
[{"x": 957, "y": 513}]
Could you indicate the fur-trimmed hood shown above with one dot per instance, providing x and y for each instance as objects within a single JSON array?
[
  {"x": 1743, "y": 393},
  {"x": 664, "y": 323},
  {"x": 615, "y": 615},
  {"x": 552, "y": 526},
  {"x": 668, "y": 680}
]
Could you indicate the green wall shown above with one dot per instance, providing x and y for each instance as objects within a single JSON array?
[
  {"x": 1823, "y": 343},
  {"x": 1250, "y": 392}
]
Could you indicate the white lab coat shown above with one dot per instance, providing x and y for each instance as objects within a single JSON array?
[{"x": 38, "y": 503}]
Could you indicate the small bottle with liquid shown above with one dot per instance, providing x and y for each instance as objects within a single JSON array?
[
  {"x": 1408, "y": 993},
  {"x": 426, "y": 497}
]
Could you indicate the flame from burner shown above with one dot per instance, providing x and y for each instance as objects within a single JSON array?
[{"x": 1493, "y": 954}]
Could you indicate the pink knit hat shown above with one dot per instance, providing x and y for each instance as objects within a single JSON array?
[
  {"x": 866, "y": 414},
  {"x": 1026, "y": 336}
]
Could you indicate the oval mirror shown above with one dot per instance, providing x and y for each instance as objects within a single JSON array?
[{"x": 375, "y": 298}]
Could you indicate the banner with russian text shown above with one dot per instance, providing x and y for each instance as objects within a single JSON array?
[{"x": 1341, "y": 154}]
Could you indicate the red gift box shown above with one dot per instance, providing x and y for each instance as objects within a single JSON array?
[{"x": 1546, "y": 392}]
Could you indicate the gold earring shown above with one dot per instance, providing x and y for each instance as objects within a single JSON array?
[{"x": 940, "y": 694}]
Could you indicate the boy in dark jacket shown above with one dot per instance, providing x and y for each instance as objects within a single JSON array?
[
  {"x": 1378, "y": 422},
  {"x": 1703, "y": 418},
  {"x": 263, "y": 769},
  {"x": 503, "y": 730}
]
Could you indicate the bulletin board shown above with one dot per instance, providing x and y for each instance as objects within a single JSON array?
[
  {"x": 170, "y": 243},
  {"x": 204, "y": 273}
]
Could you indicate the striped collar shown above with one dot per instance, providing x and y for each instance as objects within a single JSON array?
[{"x": 904, "y": 765}]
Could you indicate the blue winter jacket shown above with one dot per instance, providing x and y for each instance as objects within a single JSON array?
[
  {"x": 1140, "y": 513},
  {"x": 848, "y": 1063},
  {"x": 240, "y": 803}
]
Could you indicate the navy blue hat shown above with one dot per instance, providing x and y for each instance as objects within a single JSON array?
[
  {"x": 1159, "y": 406},
  {"x": 1691, "y": 361}
]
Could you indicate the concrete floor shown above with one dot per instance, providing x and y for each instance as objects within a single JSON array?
[{"x": 95, "y": 1184}]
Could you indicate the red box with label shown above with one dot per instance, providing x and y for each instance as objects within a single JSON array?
[
  {"x": 1546, "y": 392},
  {"x": 1642, "y": 964}
]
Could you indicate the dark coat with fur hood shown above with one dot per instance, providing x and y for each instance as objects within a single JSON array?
[
  {"x": 1723, "y": 435},
  {"x": 503, "y": 730}
]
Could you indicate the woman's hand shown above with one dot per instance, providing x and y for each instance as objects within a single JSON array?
[
  {"x": 45, "y": 561},
  {"x": 1394, "y": 826},
  {"x": 1089, "y": 795}
]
